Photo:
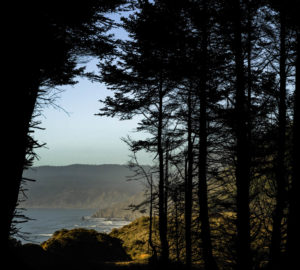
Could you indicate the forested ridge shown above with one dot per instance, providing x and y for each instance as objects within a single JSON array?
[
  {"x": 216, "y": 86},
  {"x": 80, "y": 186}
]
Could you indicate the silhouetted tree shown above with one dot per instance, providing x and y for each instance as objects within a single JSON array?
[
  {"x": 144, "y": 173},
  {"x": 141, "y": 81},
  {"x": 45, "y": 40},
  {"x": 204, "y": 28},
  {"x": 242, "y": 170},
  {"x": 281, "y": 177},
  {"x": 204, "y": 75},
  {"x": 293, "y": 235}
]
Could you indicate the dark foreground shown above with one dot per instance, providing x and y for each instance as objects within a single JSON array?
[{"x": 33, "y": 257}]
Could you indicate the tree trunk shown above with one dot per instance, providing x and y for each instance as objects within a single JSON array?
[
  {"x": 164, "y": 258},
  {"x": 202, "y": 190},
  {"x": 177, "y": 229},
  {"x": 153, "y": 249},
  {"x": 15, "y": 152},
  {"x": 293, "y": 236},
  {"x": 242, "y": 171},
  {"x": 202, "y": 166},
  {"x": 189, "y": 187},
  {"x": 275, "y": 252},
  {"x": 166, "y": 176}
]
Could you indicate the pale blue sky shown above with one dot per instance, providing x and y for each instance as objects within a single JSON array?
[{"x": 79, "y": 136}]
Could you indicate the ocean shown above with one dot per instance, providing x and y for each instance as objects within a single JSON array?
[{"x": 44, "y": 222}]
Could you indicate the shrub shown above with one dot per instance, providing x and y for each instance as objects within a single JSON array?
[{"x": 83, "y": 244}]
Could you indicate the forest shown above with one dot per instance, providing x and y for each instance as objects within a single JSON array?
[{"x": 216, "y": 86}]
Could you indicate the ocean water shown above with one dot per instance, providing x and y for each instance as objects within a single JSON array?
[{"x": 44, "y": 222}]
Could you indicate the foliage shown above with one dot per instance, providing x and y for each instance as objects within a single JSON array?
[{"x": 83, "y": 244}]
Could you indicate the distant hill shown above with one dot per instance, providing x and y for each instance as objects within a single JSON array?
[{"x": 80, "y": 186}]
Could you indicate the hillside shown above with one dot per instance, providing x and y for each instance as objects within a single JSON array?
[
  {"x": 135, "y": 237},
  {"x": 80, "y": 186},
  {"x": 121, "y": 209}
]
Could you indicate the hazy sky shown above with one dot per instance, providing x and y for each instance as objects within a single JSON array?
[{"x": 79, "y": 136}]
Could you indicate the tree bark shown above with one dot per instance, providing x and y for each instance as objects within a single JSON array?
[
  {"x": 275, "y": 250},
  {"x": 150, "y": 241},
  {"x": 189, "y": 187},
  {"x": 242, "y": 171},
  {"x": 177, "y": 230},
  {"x": 293, "y": 235},
  {"x": 15, "y": 151},
  {"x": 164, "y": 257},
  {"x": 202, "y": 166},
  {"x": 166, "y": 176}
]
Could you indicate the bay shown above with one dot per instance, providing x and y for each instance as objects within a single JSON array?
[{"x": 44, "y": 222}]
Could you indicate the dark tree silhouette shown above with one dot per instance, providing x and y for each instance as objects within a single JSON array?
[
  {"x": 141, "y": 84},
  {"x": 281, "y": 182},
  {"x": 293, "y": 234},
  {"x": 213, "y": 84},
  {"x": 203, "y": 141},
  {"x": 45, "y": 40},
  {"x": 242, "y": 170}
]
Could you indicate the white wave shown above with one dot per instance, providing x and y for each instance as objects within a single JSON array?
[
  {"x": 45, "y": 234},
  {"x": 108, "y": 222}
]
